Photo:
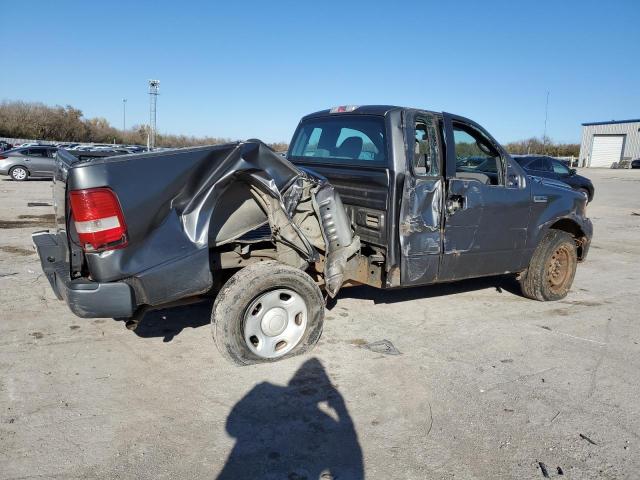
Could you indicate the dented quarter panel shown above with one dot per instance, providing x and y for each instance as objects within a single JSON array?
[{"x": 168, "y": 200}]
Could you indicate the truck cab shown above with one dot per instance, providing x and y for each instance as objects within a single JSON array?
[{"x": 434, "y": 194}]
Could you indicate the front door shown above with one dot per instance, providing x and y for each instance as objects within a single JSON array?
[
  {"x": 421, "y": 208},
  {"x": 486, "y": 205}
]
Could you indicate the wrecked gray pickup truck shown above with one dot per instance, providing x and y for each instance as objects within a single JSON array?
[{"x": 376, "y": 195}]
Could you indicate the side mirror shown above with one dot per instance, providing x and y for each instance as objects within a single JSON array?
[
  {"x": 513, "y": 180},
  {"x": 572, "y": 171}
]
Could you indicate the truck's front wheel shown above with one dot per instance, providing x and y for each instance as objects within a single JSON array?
[
  {"x": 552, "y": 268},
  {"x": 265, "y": 312}
]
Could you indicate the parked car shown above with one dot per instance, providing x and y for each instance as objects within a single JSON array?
[
  {"x": 30, "y": 162},
  {"x": 5, "y": 146},
  {"x": 30, "y": 144},
  {"x": 366, "y": 196},
  {"x": 549, "y": 167},
  {"x": 635, "y": 163}
]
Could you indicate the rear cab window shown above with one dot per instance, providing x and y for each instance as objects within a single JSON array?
[{"x": 341, "y": 139}]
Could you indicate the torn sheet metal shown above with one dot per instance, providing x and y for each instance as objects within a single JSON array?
[
  {"x": 421, "y": 207},
  {"x": 199, "y": 198},
  {"x": 420, "y": 229}
]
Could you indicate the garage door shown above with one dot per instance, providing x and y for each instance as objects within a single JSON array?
[{"x": 606, "y": 149}]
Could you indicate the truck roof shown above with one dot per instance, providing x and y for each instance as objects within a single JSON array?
[{"x": 361, "y": 109}]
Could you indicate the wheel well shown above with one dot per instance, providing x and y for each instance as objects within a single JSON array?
[{"x": 573, "y": 229}]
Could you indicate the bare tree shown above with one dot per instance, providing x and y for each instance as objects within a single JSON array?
[{"x": 66, "y": 124}]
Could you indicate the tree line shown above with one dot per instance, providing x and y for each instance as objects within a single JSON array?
[
  {"x": 34, "y": 120},
  {"x": 543, "y": 146}
]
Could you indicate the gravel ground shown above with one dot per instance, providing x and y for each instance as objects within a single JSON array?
[{"x": 486, "y": 384}]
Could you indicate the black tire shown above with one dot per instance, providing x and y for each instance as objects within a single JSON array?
[
  {"x": 230, "y": 309},
  {"x": 552, "y": 268},
  {"x": 19, "y": 173}
]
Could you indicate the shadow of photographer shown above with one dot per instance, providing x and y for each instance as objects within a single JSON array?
[{"x": 300, "y": 431}]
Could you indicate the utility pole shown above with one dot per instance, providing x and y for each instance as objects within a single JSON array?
[
  {"x": 544, "y": 135},
  {"x": 124, "y": 114},
  {"x": 154, "y": 87}
]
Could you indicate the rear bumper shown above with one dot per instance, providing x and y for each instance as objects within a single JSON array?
[{"x": 85, "y": 298}]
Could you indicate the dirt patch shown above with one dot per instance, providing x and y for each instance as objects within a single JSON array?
[
  {"x": 584, "y": 303},
  {"x": 50, "y": 217},
  {"x": 23, "y": 252},
  {"x": 28, "y": 221}
]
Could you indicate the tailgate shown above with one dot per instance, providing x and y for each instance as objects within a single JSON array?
[
  {"x": 73, "y": 261},
  {"x": 64, "y": 160}
]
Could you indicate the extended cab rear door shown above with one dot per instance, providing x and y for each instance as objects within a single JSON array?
[
  {"x": 487, "y": 204},
  {"x": 421, "y": 205}
]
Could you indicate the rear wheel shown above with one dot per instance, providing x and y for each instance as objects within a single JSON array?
[
  {"x": 266, "y": 312},
  {"x": 18, "y": 174},
  {"x": 552, "y": 268}
]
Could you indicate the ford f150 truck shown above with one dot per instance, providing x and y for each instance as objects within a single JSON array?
[{"x": 374, "y": 195}]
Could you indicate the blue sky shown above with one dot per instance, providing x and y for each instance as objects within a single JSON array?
[{"x": 247, "y": 69}]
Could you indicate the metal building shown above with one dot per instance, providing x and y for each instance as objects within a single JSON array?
[{"x": 606, "y": 143}]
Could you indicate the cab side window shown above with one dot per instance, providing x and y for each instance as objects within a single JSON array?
[
  {"x": 559, "y": 168},
  {"x": 476, "y": 157},
  {"x": 425, "y": 152}
]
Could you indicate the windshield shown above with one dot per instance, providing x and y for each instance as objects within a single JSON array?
[{"x": 348, "y": 139}]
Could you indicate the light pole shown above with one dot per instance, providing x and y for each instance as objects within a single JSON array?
[
  {"x": 124, "y": 114},
  {"x": 544, "y": 135},
  {"x": 154, "y": 87}
]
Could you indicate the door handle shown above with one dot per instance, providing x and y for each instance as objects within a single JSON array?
[{"x": 454, "y": 203}]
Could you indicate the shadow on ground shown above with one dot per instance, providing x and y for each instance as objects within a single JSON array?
[
  {"x": 300, "y": 431},
  {"x": 31, "y": 179},
  {"x": 501, "y": 283},
  {"x": 169, "y": 322}
]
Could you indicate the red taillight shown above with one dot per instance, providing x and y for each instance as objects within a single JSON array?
[{"x": 98, "y": 219}]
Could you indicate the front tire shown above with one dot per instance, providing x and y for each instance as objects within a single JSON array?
[
  {"x": 266, "y": 312},
  {"x": 19, "y": 174},
  {"x": 552, "y": 268}
]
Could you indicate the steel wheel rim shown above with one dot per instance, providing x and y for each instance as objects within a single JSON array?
[
  {"x": 275, "y": 322},
  {"x": 19, "y": 173},
  {"x": 558, "y": 270}
]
